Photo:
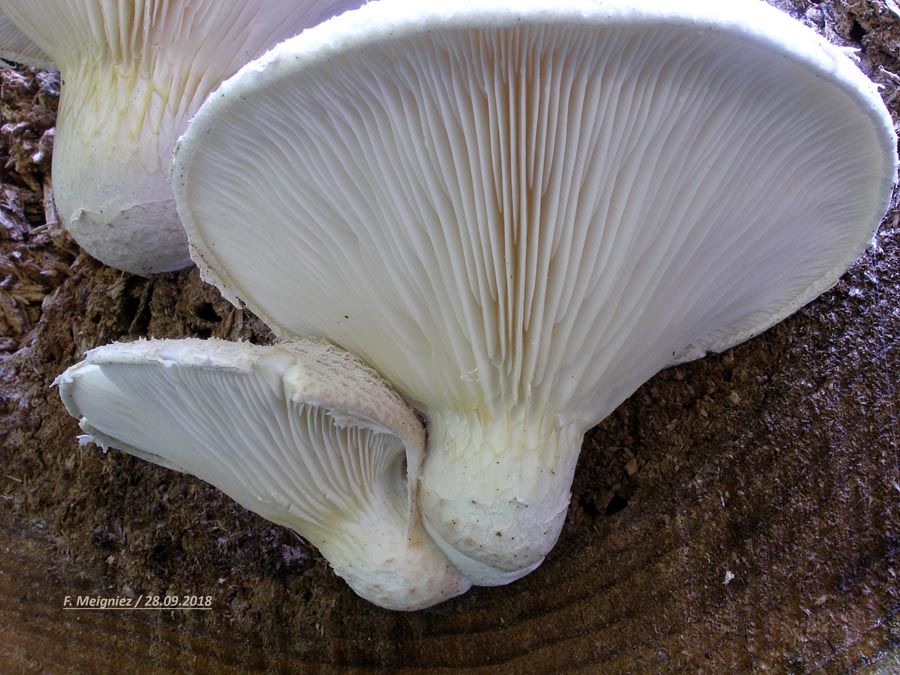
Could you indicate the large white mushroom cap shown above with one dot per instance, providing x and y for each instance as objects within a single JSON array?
[
  {"x": 134, "y": 72},
  {"x": 301, "y": 433},
  {"x": 18, "y": 47},
  {"x": 519, "y": 211}
]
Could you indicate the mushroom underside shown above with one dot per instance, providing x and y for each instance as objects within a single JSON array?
[
  {"x": 536, "y": 210},
  {"x": 300, "y": 433}
]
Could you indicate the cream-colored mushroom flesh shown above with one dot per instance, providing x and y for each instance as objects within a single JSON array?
[
  {"x": 17, "y": 47},
  {"x": 134, "y": 72},
  {"x": 518, "y": 212},
  {"x": 302, "y": 433}
]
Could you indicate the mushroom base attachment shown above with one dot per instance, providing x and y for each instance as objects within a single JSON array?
[
  {"x": 392, "y": 566},
  {"x": 152, "y": 230},
  {"x": 494, "y": 496}
]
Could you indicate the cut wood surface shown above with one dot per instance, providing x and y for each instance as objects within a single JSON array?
[{"x": 737, "y": 514}]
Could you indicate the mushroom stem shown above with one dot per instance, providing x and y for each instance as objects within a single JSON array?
[
  {"x": 399, "y": 567},
  {"x": 134, "y": 72},
  {"x": 116, "y": 203},
  {"x": 495, "y": 491}
]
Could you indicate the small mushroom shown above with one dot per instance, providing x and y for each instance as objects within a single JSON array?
[
  {"x": 301, "y": 433},
  {"x": 133, "y": 73},
  {"x": 518, "y": 212}
]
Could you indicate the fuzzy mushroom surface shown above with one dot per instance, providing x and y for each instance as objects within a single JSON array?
[
  {"x": 301, "y": 433},
  {"x": 133, "y": 73},
  {"x": 518, "y": 213}
]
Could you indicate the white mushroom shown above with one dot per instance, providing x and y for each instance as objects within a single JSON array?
[
  {"x": 518, "y": 212},
  {"x": 301, "y": 433},
  {"x": 133, "y": 74},
  {"x": 15, "y": 46}
]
